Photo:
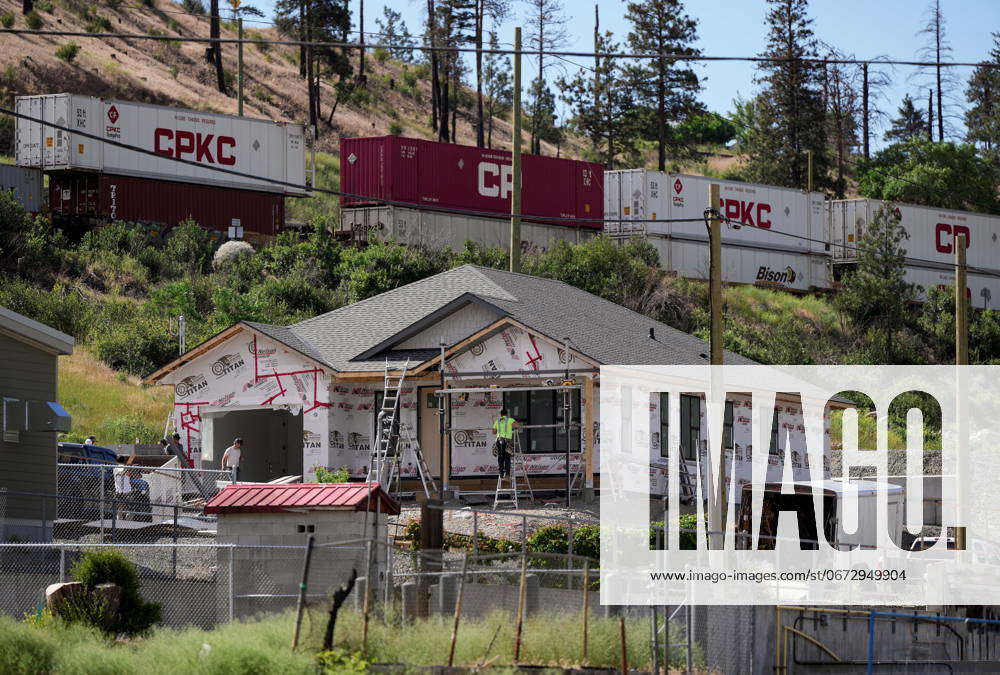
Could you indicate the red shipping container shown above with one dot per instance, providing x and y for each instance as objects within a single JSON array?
[
  {"x": 146, "y": 200},
  {"x": 426, "y": 173}
]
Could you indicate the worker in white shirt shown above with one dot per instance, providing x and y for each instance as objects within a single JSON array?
[
  {"x": 123, "y": 488},
  {"x": 231, "y": 457}
]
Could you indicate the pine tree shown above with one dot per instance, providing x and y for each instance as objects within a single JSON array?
[
  {"x": 910, "y": 123},
  {"x": 790, "y": 115},
  {"x": 547, "y": 33},
  {"x": 667, "y": 87},
  {"x": 498, "y": 87},
  {"x": 601, "y": 105},
  {"x": 982, "y": 119},
  {"x": 943, "y": 83},
  {"x": 541, "y": 107},
  {"x": 393, "y": 31}
]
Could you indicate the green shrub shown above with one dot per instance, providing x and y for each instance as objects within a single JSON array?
[
  {"x": 174, "y": 71},
  {"x": 193, "y": 6},
  {"x": 395, "y": 128},
  {"x": 410, "y": 78},
  {"x": 381, "y": 55},
  {"x": 68, "y": 52},
  {"x": 230, "y": 253},
  {"x": 99, "y": 24},
  {"x": 62, "y": 308},
  {"x": 135, "y": 615},
  {"x": 25, "y": 650},
  {"x": 342, "y": 661},
  {"x": 34, "y": 20},
  {"x": 324, "y": 475},
  {"x": 136, "y": 344},
  {"x": 190, "y": 247},
  {"x": 7, "y": 19},
  {"x": 258, "y": 42},
  {"x": 45, "y": 6}
]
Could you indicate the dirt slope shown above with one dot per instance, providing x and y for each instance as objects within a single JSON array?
[{"x": 177, "y": 73}]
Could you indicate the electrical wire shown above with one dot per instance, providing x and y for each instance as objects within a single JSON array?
[
  {"x": 337, "y": 193},
  {"x": 490, "y": 50}
]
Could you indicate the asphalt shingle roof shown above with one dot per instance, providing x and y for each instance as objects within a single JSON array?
[{"x": 606, "y": 332}]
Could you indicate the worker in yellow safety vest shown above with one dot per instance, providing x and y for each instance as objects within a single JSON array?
[{"x": 503, "y": 429}]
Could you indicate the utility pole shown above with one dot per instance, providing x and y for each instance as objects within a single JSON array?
[
  {"x": 961, "y": 359},
  {"x": 716, "y": 511},
  {"x": 864, "y": 106},
  {"x": 515, "y": 202},
  {"x": 809, "y": 171}
]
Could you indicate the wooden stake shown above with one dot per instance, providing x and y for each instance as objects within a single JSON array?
[
  {"x": 586, "y": 609},
  {"x": 520, "y": 608},
  {"x": 621, "y": 631},
  {"x": 458, "y": 611},
  {"x": 515, "y": 202},
  {"x": 368, "y": 595},
  {"x": 715, "y": 512}
]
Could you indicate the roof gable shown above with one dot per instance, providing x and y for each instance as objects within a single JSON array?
[{"x": 268, "y": 498}]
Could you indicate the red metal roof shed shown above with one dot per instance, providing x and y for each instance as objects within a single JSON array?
[{"x": 264, "y": 498}]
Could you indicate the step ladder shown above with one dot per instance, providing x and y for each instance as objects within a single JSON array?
[
  {"x": 386, "y": 426},
  {"x": 686, "y": 484},
  {"x": 517, "y": 464},
  {"x": 407, "y": 442}
]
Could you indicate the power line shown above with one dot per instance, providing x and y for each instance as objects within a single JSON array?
[
  {"x": 336, "y": 193},
  {"x": 466, "y": 212},
  {"x": 488, "y": 50}
]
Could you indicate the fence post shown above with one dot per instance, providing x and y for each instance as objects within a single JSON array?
[
  {"x": 302, "y": 591},
  {"x": 458, "y": 611},
  {"x": 475, "y": 533},
  {"x": 174, "y": 556},
  {"x": 520, "y": 607},
  {"x": 624, "y": 648},
  {"x": 62, "y": 563},
  {"x": 570, "y": 541},
  {"x": 45, "y": 517},
  {"x": 871, "y": 642},
  {"x": 102, "y": 502},
  {"x": 653, "y": 617},
  {"x": 586, "y": 608},
  {"x": 232, "y": 593}
]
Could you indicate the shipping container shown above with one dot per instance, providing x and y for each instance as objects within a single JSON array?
[
  {"x": 780, "y": 244},
  {"x": 436, "y": 229},
  {"x": 425, "y": 173},
  {"x": 930, "y": 253},
  {"x": 108, "y": 197},
  {"x": 26, "y": 184},
  {"x": 261, "y": 148}
]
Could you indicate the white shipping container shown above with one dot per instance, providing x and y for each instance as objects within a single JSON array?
[
  {"x": 273, "y": 150},
  {"x": 929, "y": 248},
  {"x": 436, "y": 229},
  {"x": 780, "y": 244}
]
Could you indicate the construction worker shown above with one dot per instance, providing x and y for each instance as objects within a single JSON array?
[
  {"x": 503, "y": 429},
  {"x": 231, "y": 458}
]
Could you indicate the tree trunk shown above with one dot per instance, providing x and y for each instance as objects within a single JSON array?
[
  {"x": 535, "y": 141},
  {"x": 661, "y": 112},
  {"x": 480, "y": 131},
  {"x": 310, "y": 79},
  {"x": 302, "y": 38},
  {"x": 937, "y": 46},
  {"x": 864, "y": 106},
  {"x": 361, "y": 32},
  {"x": 435, "y": 83},
  {"x": 597, "y": 76},
  {"x": 215, "y": 31},
  {"x": 930, "y": 115},
  {"x": 27, "y": 6}
]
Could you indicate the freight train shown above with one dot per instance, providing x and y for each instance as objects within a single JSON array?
[{"x": 91, "y": 179}]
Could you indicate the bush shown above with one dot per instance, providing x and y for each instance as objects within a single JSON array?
[
  {"x": 45, "y": 6},
  {"x": 34, "y": 20},
  {"x": 324, "y": 475},
  {"x": 7, "y": 19},
  {"x": 258, "y": 42},
  {"x": 410, "y": 78},
  {"x": 99, "y": 24},
  {"x": 61, "y": 307},
  {"x": 25, "y": 650},
  {"x": 381, "y": 55},
  {"x": 68, "y": 52},
  {"x": 395, "y": 128},
  {"x": 136, "y": 344},
  {"x": 135, "y": 615},
  {"x": 230, "y": 253},
  {"x": 189, "y": 248},
  {"x": 193, "y": 6}
]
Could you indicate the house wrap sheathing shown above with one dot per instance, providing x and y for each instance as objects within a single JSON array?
[{"x": 322, "y": 379}]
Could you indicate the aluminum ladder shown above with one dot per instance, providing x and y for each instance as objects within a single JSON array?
[
  {"x": 687, "y": 486},
  {"x": 517, "y": 463},
  {"x": 406, "y": 441},
  {"x": 386, "y": 425}
]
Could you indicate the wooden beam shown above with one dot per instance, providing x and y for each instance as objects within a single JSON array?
[{"x": 589, "y": 391}]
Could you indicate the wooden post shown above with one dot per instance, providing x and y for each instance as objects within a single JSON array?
[
  {"x": 587, "y": 430},
  {"x": 961, "y": 359},
  {"x": 865, "y": 131},
  {"x": 586, "y": 609},
  {"x": 458, "y": 611},
  {"x": 716, "y": 510},
  {"x": 367, "y": 605},
  {"x": 515, "y": 202},
  {"x": 809, "y": 170},
  {"x": 621, "y": 632},
  {"x": 520, "y": 607},
  {"x": 300, "y": 607}
]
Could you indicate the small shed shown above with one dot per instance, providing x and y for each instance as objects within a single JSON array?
[{"x": 262, "y": 521}]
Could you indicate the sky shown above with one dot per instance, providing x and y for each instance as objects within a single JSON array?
[{"x": 862, "y": 28}]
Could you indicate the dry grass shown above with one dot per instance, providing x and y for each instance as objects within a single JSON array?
[{"x": 109, "y": 405}]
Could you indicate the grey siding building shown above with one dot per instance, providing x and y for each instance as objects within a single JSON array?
[{"x": 29, "y": 353}]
